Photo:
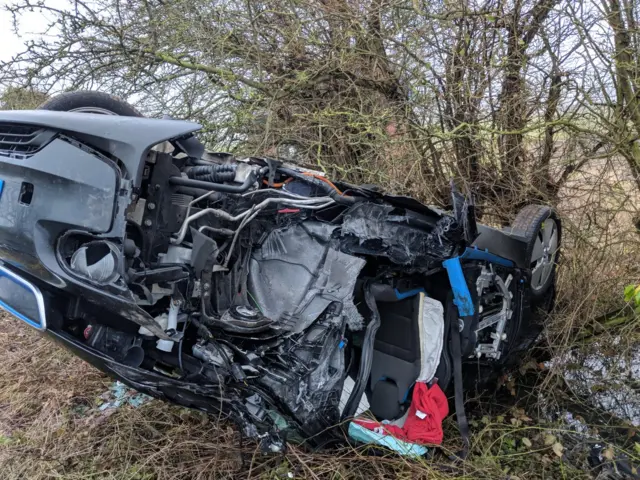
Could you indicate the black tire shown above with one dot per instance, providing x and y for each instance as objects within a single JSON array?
[
  {"x": 530, "y": 223},
  {"x": 90, "y": 102}
]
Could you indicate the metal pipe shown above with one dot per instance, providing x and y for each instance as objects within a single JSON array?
[
  {"x": 325, "y": 201},
  {"x": 220, "y": 231},
  {"x": 254, "y": 215}
]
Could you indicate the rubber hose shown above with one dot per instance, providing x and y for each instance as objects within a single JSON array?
[
  {"x": 197, "y": 192},
  {"x": 213, "y": 173}
]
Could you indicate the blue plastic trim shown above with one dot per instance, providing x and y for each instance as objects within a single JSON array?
[
  {"x": 1, "y": 186},
  {"x": 461, "y": 294},
  {"x": 408, "y": 293},
  {"x": 406, "y": 394},
  {"x": 474, "y": 253},
  {"x": 33, "y": 290},
  {"x": 20, "y": 316}
]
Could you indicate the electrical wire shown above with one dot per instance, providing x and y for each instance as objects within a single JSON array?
[
  {"x": 272, "y": 190},
  {"x": 258, "y": 208},
  {"x": 256, "y": 302},
  {"x": 276, "y": 184},
  {"x": 323, "y": 179}
]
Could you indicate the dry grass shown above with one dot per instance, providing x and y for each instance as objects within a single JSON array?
[{"x": 51, "y": 426}]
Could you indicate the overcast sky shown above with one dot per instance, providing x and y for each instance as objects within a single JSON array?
[
  {"x": 32, "y": 24},
  {"x": 10, "y": 43}
]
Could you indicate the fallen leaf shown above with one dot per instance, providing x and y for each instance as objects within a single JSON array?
[
  {"x": 530, "y": 365},
  {"x": 524, "y": 418},
  {"x": 526, "y": 442},
  {"x": 549, "y": 439},
  {"x": 557, "y": 449},
  {"x": 608, "y": 453}
]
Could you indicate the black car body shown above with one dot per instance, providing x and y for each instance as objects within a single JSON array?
[{"x": 250, "y": 286}]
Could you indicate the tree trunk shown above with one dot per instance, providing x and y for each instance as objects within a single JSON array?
[{"x": 626, "y": 92}]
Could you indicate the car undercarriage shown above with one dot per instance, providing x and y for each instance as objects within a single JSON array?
[{"x": 252, "y": 286}]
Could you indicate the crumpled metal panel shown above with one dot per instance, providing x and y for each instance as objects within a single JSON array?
[
  {"x": 300, "y": 280},
  {"x": 297, "y": 274},
  {"x": 371, "y": 229}
]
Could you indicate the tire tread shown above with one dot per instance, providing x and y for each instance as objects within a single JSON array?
[{"x": 67, "y": 101}]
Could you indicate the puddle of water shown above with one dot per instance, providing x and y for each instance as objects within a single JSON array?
[{"x": 605, "y": 378}]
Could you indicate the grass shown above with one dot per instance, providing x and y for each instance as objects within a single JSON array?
[{"x": 51, "y": 425}]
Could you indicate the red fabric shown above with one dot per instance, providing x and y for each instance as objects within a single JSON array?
[{"x": 431, "y": 402}]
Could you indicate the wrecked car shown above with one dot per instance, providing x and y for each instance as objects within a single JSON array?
[{"x": 252, "y": 287}]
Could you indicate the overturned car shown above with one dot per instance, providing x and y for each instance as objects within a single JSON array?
[{"x": 249, "y": 286}]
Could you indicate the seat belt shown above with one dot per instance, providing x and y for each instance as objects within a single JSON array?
[
  {"x": 461, "y": 416},
  {"x": 463, "y": 302}
]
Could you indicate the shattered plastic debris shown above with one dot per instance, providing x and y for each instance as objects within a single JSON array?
[
  {"x": 119, "y": 394},
  {"x": 347, "y": 387}
]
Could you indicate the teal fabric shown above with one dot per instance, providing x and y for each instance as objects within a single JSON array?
[{"x": 364, "y": 435}]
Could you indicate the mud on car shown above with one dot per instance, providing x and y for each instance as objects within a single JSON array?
[{"x": 250, "y": 286}]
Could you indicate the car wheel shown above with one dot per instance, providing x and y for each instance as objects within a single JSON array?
[
  {"x": 90, "y": 102},
  {"x": 542, "y": 230}
]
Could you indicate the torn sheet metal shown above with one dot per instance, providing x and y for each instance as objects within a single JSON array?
[
  {"x": 305, "y": 373},
  {"x": 374, "y": 229},
  {"x": 298, "y": 279}
]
